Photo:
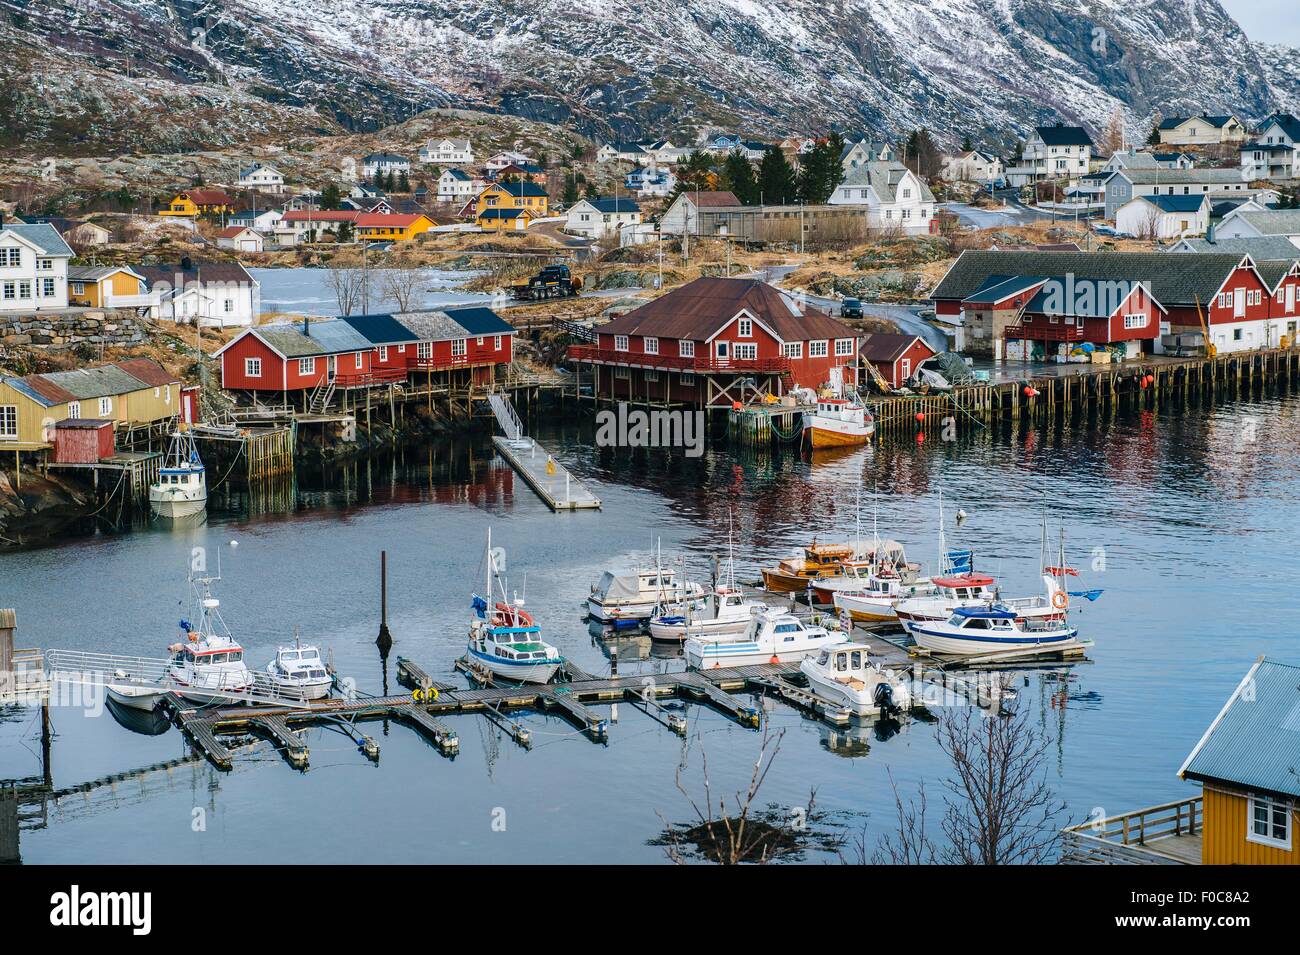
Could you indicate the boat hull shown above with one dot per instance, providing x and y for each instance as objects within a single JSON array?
[
  {"x": 704, "y": 654},
  {"x": 677, "y": 632},
  {"x": 134, "y": 697},
  {"x": 867, "y": 609},
  {"x": 942, "y": 639},
  {"x": 858, "y": 702},
  {"x": 779, "y": 582},
  {"x": 520, "y": 672},
  {"x": 823, "y": 436},
  {"x": 177, "y": 506}
]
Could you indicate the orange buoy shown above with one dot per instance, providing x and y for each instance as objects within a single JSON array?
[
  {"x": 920, "y": 437},
  {"x": 775, "y": 660},
  {"x": 920, "y": 416}
]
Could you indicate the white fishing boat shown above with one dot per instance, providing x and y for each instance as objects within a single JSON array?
[
  {"x": 990, "y": 629},
  {"x": 844, "y": 673},
  {"x": 503, "y": 638},
  {"x": 773, "y": 636},
  {"x": 181, "y": 489},
  {"x": 637, "y": 594},
  {"x": 722, "y": 612},
  {"x": 207, "y": 664},
  {"x": 874, "y": 601},
  {"x": 134, "y": 692},
  {"x": 298, "y": 672},
  {"x": 838, "y": 423}
]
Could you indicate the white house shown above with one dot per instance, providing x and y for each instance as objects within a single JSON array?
[
  {"x": 384, "y": 163},
  {"x": 1244, "y": 224},
  {"x": 896, "y": 198},
  {"x": 1274, "y": 153},
  {"x": 508, "y": 157},
  {"x": 1133, "y": 158},
  {"x": 727, "y": 143},
  {"x": 447, "y": 152},
  {"x": 456, "y": 185},
  {"x": 864, "y": 151},
  {"x": 1201, "y": 130},
  {"x": 1164, "y": 217},
  {"x": 1125, "y": 184},
  {"x": 264, "y": 221},
  {"x": 1054, "y": 152},
  {"x": 240, "y": 238},
  {"x": 33, "y": 267},
  {"x": 651, "y": 181},
  {"x": 597, "y": 218},
  {"x": 972, "y": 166},
  {"x": 216, "y": 293},
  {"x": 261, "y": 177}
]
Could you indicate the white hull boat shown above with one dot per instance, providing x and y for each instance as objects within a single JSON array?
[
  {"x": 995, "y": 629},
  {"x": 724, "y": 612},
  {"x": 844, "y": 674},
  {"x": 181, "y": 489},
  {"x": 637, "y": 595},
  {"x": 974, "y": 590},
  {"x": 773, "y": 636},
  {"x": 298, "y": 673},
  {"x": 134, "y": 692},
  {"x": 503, "y": 639},
  {"x": 207, "y": 665}
]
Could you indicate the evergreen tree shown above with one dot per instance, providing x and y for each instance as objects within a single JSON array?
[
  {"x": 738, "y": 176},
  {"x": 403, "y": 183},
  {"x": 330, "y": 197},
  {"x": 776, "y": 178},
  {"x": 966, "y": 144},
  {"x": 378, "y": 180},
  {"x": 1154, "y": 138},
  {"x": 570, "y": 188},
  {"x": 344, "y": 233},
  {"x": 821, "y": 171},
  {"x": 693, "y": 174},
  {"x": 390, "y": 183}
]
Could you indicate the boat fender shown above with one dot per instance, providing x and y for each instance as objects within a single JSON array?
[{"x": 1059, "y": 600}]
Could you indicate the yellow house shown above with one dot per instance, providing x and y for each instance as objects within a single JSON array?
[
  {"x": 504, "y": 220},
  {"x": 1247, "y": 764},
  {"x": 135, "y": 391},
  {"x": 513, "y": 195},
  {"x": 93, "y": 285},
  {"x": 375, "y": 226},
  {"x": 196, "y": 202}
]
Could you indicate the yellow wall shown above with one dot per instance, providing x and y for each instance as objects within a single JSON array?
[
  {"x": 1224, "y": 841},
  {"x": 422, "y": 224},
  {"x": 494, "y": 197},
  {"x": 119, "y": 283},
  {"x": 137, "y": 407},
  {"x": 180, "y": 207}
]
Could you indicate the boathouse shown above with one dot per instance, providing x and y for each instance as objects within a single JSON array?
[
  {"x": 1230, "y": 295},
  {"x": 716, "y": 341},
  {"x": 366, "y": 351},
  {"x": 896, "y": 357}
]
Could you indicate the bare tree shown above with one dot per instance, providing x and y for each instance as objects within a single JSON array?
[
  {"x": 1112, "y": 137},
  {"x": 401, "y": 283},
  {"x": 1148, "y": 226},
  {"x": 349, "y": 285},
  {"x": 910, "y": 843}
]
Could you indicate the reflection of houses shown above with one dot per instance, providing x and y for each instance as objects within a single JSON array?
[
  {"x": 1249, "y": 807},
  {"x": 213, "y": 293},
  {"x": 715, "y": 341},
  {"x": 464, "y": 346}
]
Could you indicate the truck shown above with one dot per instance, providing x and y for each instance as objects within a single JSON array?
[
  {"x": 851, "y": 308},
  {"x": 553, "y": 281}
]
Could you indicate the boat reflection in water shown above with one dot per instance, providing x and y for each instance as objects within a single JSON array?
[{"x": 144, "y": 722}]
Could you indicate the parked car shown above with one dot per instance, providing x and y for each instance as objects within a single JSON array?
[
  {"x": 851, "y": 308},
  {"x": 1105, "y": 230}
]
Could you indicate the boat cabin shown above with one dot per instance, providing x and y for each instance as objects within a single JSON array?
[
  {"x": 846, "y": 662},
  {"x": 513, "y": 643},
  {"x": 299, "y": 662},
  {"x": 193, "y": 655},
  {"x": 965, "y": 586},
  {"x": 972, "y": 618}
]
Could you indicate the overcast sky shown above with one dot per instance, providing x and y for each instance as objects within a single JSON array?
[{"x": 1272, "y": 21}]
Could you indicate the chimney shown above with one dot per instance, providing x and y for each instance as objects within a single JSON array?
[{"x": 306, "y": 325}]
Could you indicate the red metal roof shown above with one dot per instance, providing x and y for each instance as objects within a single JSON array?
[
  {"x": 889, "y": 347},
  {"x": 148, "y": 371},
  {"x": 207, "y": 197},
  {"x": 714, "y": 198}
]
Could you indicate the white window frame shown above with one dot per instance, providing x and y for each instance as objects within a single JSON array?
[
  {"x": 74, "y": 409},
  {"x": 622, "y": 371},
  {"x": 819, "y": 349},
  {"x": 651, "y": 374},
  {"x": 1272, "y": 804},
  {"x": 356, "y": 360},
  {"x": 496, "y": 342},
  {"x": 620, "y": 343},
  {"x": 792, "y": 350},
  {"x": 688, "y": 378},
  {"x": 423, "y": 351},
  {"x": 383, "y": 353},
  {"x": 685, "y": 348},
  {"x": 650, "y": 345},
  {"x": 105, "y": 406},
  {"x": 1136, "y": 320},
  {"x": 306, "y": 366},
  {"x": 843, "y": 347},
  {"x": 252, "y": 368},
  {"x": 10, "y": 413},
  {"x": 744, "y": 328},
  {"x": 744, "y": 351},
  {"x": 458, "y": 348}
]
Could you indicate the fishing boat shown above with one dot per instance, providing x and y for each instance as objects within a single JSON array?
[
  {"x": 207, "y": 663},
  {"x": 838, "y": 423},
  {"x": 299, "y": 673},
  {"x": 181, "y": 489},
  {"x": 844, "y": 673},
  {"x": 503, "y": 638},
  {"x": 990, "y": 629},
  {"x": 816, "y": 562},
  {"x": 875, "y": 600},
  {"x": 722, "y": 612},
  {"x": 636, "y": 595},
  {"x": 773, "y": 636}
]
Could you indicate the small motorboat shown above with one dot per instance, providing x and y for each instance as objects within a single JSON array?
[
  {"x": 504, "y": 639},
  {"x": 844, "y": 674},
  {"x": 638, "y": 594},
  {"x": 773, "y": 636},
  {"x": 181, "y": 489},
  {"x": 135, "y": 692},
  {"x": 818, "y": 561},
  {"x": 874, "y": 600},
  {"x": 299, "y": 673},
  {"x": 838, "y": 423},
  {"x": 722, "y": 612},
  {"x": 207, "y": 664},
  {"x": 978, "y": 590},
  {"x": 990, "y": 629}
]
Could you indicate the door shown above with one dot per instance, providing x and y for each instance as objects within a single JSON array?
[
  {"x": 1290, "y": 298},
  {"x": 1238, "y": 303},
  {"x": 721, "y": 352},
  {"x": 331, "y": 368},
  {"x": 837, "y": 379}
]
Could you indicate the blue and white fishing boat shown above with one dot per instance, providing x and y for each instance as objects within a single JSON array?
[
  {"x": 992, "y": 628},
  {"x": 773, "y": 636},
  {"x": 503, "y": 638},
  {"x": 181, "y": 489}
]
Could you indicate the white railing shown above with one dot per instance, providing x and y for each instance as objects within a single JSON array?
[{"x": 506, "y": 416}]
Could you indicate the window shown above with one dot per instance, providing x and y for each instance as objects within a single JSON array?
[
  {"x": 1135, "y": 321},
  {"x": 620, "y": 343},
  {"x": 817, "y": 349},
  {"x": 622, "y": 371},
  {"x": 688, "y": 378},
  {"x": 227, "y": 306},
  {"x": 1269, "y": 822},
  {"x": 1236, "y": 334},
  {"x": 843, "y": 346},
  {"x": 105, "y": 406},
  {"x": 11, "y": 258},
  {"x": 745, "y": 328},
  {"x": 44, "y": 265},
  {"x": 9, "y": 422},
  {"x": 792, "y": 350},
  {"x": 496, "y": 342},
  {"x": 356, "y": 359},
  {"x": 24, "y": 289},
  {"x": 686, "y": 349},
  {"x": 651, "y": 345},
  {"x": 651, "y": 375},
  {"x": 458, "y": 348},
  {"x": 10, "y": 290},
  {"x": 306, "y": 366},
  {"x": 424, "y": 350},
  {"x": 253, "y": 367},
  {"x": 74, "y": 409},
  {"x": 745, "y": 351},
  {"x": 478, "y": 342},
  {"x": 79, "y": 288}
]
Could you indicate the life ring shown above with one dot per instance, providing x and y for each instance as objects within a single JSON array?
[
  {"x": 514, "y": 615},
  {"x": 417, "y": 695},
  {"x": 1059, "y": 600},
  {"x": 432, "y": 694}
]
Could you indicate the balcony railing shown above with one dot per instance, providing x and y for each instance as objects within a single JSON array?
[
  {"x": 369, "y": 379},
  {"x": 611, "y": 356},
  {"x": 1168, "y": 834},
  {"x": 1045, "y": 332}
]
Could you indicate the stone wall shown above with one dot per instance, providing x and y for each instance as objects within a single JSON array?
[{"x": 65, "y": 328}]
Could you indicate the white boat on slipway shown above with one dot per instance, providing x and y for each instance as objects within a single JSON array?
[{"x": 773, "y": 636}]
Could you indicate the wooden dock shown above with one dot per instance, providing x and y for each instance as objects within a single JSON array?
[{"x": 551, "y": 480}]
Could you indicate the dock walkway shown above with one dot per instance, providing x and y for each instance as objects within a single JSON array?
[{"x": 551, "y": 480}]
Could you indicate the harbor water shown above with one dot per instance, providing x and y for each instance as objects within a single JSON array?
[{"x": 1186, "y": 522}]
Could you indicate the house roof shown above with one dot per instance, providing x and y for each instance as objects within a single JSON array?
[
  {"x": 504, "y": 213},
  {"x": 1176, "y": 203},
  {"x": 62, "y": 224},
  {"x": 384, "y": 157},
  {"x": 1061, "y": 135},
  {"x": 1273, "y": 222},
  {"x": 174, "y": 276},
  {"x": 478, "y": 320},
  {"x": 884, "y": 177},
  {"x": 40, "y": 234},
  {"x": 701, "y": 308},
  {"x": 1180, "y": 177},
  {"x": 229, "y": 232},
  {"x": 620, "y": 204},
  {"x": 93, "y": 273},
  {"x": 1173, "y": 279},
  {"x": 520, "y": 190},
  {"x": 1260, "y": 248},
  {"x": 103, "y": 381},
  {"x": 458, "y": 174},
  {"x": 148, "y": 371},
  {"x": 712, "y": 198},
  {"x": 1286, "y": 122},
  {"x": 380, "y": 329},
  {"x": 1254, "y": 742},
  {"x": 879, "y": 347},
  {"x": 1173, "y": 122},
  {"x": 997, "y": 287},
  {"x": 321, "y": 215},
  {"x": 434, "y": 325},
  {"x": 1088, "y": 298},
  {"x": 207, "y": 197},
  {"x": 256, "y": 167}
]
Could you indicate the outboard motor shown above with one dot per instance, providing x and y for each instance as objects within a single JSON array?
[{"x": 883, "y": 697}]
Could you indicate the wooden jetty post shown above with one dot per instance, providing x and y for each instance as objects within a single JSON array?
[{"x": 385, "y": 639}]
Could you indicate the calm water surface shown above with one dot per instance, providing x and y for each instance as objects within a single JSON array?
[
  {"x": 1191, "y": 522},
  {"x": 308, "y": 291}
]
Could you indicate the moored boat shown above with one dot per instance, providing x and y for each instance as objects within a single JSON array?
[
  {"x": 979, "y": 590},
  {"x": 722, "y": 612},
  {"x": 818, "y": 561},
  {"x": 503, "y": 638},
  {"x": 637, "y": 594},
  {"x": 181, "y": 489},
  {"x": 298, "y": 672},
  {"x": 134, "y": 692},
  {"x": 844, "y": 673},
  {"x": 773, "y": 636},
  {"x": 991, "y": 629},
  {"x": 874, "y": 601},
  {"x": 838, "y": 423},
  {"x": 207, "y": 665}
]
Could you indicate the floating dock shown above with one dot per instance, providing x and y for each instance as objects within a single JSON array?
[{"x": 551, "y": 480}]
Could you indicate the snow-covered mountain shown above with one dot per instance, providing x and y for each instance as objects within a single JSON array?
[{"x": 990, "y": 68}]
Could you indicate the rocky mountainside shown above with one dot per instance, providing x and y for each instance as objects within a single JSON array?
[{"x": 113, "y": 73}]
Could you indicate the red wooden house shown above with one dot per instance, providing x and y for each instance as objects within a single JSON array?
[
  {"x": 367, "y": 351},
  {"x": 895, "y": 357},
  {"x": 1064, "y": 314},
  {"x": 715, "y": 341}
]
